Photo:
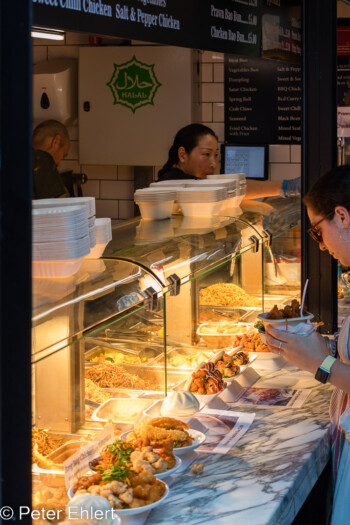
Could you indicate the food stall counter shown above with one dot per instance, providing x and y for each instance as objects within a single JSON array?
[{"x": 267, "y": 476}]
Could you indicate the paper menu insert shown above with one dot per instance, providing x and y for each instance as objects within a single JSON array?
[{"x": 78, "y": 464}]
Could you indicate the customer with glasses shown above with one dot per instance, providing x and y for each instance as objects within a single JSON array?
[{"x": 328, "y": 208}]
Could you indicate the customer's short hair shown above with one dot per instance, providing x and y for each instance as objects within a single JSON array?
[{"x": 49, "y": 128}]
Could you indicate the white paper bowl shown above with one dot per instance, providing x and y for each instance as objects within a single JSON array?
[
  {"x": 138, "y": 510},
  {"x": 206, "y": 399},
  {"x": 154, "y": 411},
  {"x": 156, "y": 210},
  {"x": 282, "y": 324}
]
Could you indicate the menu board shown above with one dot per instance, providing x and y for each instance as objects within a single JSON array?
[
  {"x": 343, "y": 87},
  {"x": 262, "y": 101},
  {"x": 219, "y": 25},
  {"x": 281, "y": 30}
]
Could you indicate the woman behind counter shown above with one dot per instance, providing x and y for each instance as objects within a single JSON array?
[{"x": 193, "y": 155}]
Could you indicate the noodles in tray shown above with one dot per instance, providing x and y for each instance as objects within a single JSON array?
[
  {"x": 95, "y": 393},
  {"x": 43, "y": 443},
  {"x": 114, "y": 376},
  {"x": 227, "y": 294}
]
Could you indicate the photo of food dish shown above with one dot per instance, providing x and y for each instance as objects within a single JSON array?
[
  {"x": 267, "y": 396},
  {"x": 218, "y": 428}
]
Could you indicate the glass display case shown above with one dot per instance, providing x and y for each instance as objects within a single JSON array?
[{"x": 127, "y": 329}]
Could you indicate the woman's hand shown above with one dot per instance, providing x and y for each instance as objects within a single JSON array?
[{"x": 305, "y": 352}]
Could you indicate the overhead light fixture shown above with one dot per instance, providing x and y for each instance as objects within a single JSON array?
[{"x": 48, "y": 34}]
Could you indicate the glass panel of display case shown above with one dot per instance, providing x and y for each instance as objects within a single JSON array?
[
  {"x": 182, "y": 245},
  {"x": 282, "y": 265},
  {"x": 64, "y": 308},
  {"x": 282, "y": 253},
  {"x": 100, "y": 382}
]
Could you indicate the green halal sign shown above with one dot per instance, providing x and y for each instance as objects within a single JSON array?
[{"x": 134, "y": 84}]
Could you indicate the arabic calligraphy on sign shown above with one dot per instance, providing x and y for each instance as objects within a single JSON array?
[{"x": 134, "y": 84}]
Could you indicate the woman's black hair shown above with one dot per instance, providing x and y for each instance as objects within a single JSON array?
[
  {"x": 330, "y": 190},
  {"x": 188, "y": 138}
]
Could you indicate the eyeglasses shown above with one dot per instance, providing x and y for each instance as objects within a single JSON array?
[{"x": 314, "y": 232}]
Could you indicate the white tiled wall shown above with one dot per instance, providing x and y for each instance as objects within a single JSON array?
[{"x": 113, "y": 186}]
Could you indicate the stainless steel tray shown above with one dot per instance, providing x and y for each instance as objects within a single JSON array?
[
  {"x": 93, "y": 352},
  {"x": 121, "y": 410},
  {"x": 54, "y": 477},
  {"x": 203, "y": 350},
  {"x": 155, "y": 375}
]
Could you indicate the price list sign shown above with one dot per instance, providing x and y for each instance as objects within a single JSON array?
[
  {"x": 233, "y": 26},
  {"x": 262, "y": 101}
]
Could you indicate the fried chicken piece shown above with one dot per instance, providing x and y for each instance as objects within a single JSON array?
[
  {"x": 197, "y": 469},
  {"x": 168, "y": 423},
  {"x": 166, "y": 452},
  {"x": 142, "y": 491},
  {"x": 136, "y": 503},
  {"x": 153, "y": 436},
  {"x": 140, "y": 479},
  {"x": 155, "y": 493},
  {"x": 86, "y": 481},
  {"x": 275, "y": 313}
]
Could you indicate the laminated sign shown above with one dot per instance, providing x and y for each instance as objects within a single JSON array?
[{"x": 134, "y": 84}]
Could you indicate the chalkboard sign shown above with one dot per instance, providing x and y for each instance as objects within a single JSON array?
[
  {"x": 233, "y": 27},
  {"x": 343, "y": 87},
  {"x": 281, "y": 30},
  {"x": 262, "y": 101}
]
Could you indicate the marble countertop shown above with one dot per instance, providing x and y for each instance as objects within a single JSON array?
[{"x": 267, "y": 476}]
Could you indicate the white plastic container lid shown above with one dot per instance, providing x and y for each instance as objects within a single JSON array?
[
  {"x": 61, "y": 250},
  {"x": 234, "y": 176},
  {"x": 209, "y": 194},
  {"x": 50, "y": 224},
  {"x": 154, "y": 195},
  {"x": 88, "y": 202},
  {"x": 172, "y": 182},
  {"x": 230, "y": 184}
]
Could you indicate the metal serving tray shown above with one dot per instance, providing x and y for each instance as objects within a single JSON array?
[
  {"x": 159, "y": 361},
  {"x": 55, "y": 477},
  {"x": 121, "y": 410},
  {"x": 95, "y": 351},
  {"x": 155, "y": 375}
]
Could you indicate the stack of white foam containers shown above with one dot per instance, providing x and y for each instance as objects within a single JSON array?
[
  {"x": 63, "y": 234},
  {"x": 103, "y": 232},
  {"x": 201, "y": 201},
  {"x": 155, "y": 203},
  {"x": 60, "y": 240},
  {"x": 87, "y": 202}
]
